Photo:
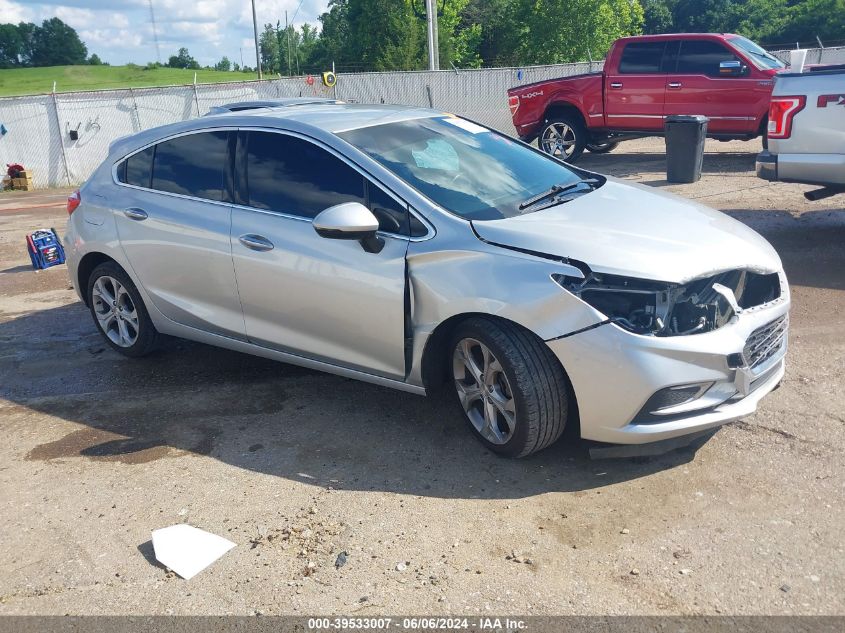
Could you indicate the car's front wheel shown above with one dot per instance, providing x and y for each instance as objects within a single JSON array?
[
  {"x": 119, "y": 311},
  {"x": 510, "y": 386},
  {"x": 563, "y": 137}
]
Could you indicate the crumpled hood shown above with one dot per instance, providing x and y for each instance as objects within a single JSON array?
[{"x": 628, "y": 229}]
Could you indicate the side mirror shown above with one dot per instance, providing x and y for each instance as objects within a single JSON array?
[
  {"x": 732, "y": 68},
  {"x": 349, "y": 221}
]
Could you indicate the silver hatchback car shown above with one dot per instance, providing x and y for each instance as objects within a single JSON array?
[{"x": 416, "y": 249}]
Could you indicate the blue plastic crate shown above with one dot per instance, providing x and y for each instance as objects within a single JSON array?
[{"x": 45, "y": 249}]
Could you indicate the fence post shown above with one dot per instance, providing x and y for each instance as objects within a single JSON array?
[
  {"x": 137, "y": 112},
  {"x": 196, "y": 96},
  {"x": 61, "y": 136}
]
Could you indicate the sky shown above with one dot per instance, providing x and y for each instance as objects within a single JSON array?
[{"x": 120, "y": 31}]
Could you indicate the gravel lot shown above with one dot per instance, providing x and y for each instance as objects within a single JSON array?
[{"x": 297, "y": 466}]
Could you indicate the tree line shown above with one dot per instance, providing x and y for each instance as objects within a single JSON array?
[
  {"x": 373, "y": 35},
  {"x": 376, "y": 35},
  {"x": 54, "y": 43}
]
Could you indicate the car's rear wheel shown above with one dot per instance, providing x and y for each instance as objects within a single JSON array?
[
  {"x": 563, "y": 137},
  {"x": 602, "y": 148},
  {"x": 510, "y": 386},
  {"x": 119, "y": 311}
]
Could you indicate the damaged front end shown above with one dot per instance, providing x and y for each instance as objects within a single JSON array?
[{"x": 655, "y": 308}]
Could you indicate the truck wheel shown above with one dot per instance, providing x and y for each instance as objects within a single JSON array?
[
  {"x": 511, "y": 387},
  {"x": 563, "y": 137},
  {"x": 602, "y": 148}
]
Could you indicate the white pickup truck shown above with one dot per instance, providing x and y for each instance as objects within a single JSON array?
[{"x": 806, "y": 132}]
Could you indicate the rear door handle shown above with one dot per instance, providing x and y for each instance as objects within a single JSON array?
[
  {"x": 616, "y": 85},
  {"x": 675, "y": 84},
  {"x": 135, "y": 213},
  {"x": 256, "y": 242}
]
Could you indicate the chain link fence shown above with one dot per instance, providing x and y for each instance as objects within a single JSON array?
[{"x": 40, "y": 129}]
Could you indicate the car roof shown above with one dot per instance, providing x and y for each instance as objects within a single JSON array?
[
  {"x": 334, "y": 117},
  {"x": 239, "y": 106},
  {"x": 316, "y": 118}
]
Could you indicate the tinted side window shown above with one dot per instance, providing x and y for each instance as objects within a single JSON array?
[
  {"x": 702, "y": 57},
  {"x": 641, "y": 57},
  {"x": 294, "y": 176},
  {"x": 137, "y": 169},
  {"x": 392, "y": 216},
  {"x": 193, "y": 165}
]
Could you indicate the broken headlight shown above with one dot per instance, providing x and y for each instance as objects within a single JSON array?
[{"x": 656, "y": 308}]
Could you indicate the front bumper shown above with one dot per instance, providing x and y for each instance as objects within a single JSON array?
[{"x": 614, "y": 373}]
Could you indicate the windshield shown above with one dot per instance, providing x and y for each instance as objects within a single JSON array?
[
  {"x": 762, "y": 59},
  {"x": 463, "y": 167}
]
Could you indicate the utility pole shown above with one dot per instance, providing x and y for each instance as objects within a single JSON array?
[
  {"x": 433, "y": 42},
  {"x": 287, "y": 39},
  {"x": 257, "y": 50}
]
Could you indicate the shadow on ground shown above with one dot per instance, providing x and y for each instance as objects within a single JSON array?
[
  {"x": 269, "y": 417},
  {"x": 726, "y": 164}
]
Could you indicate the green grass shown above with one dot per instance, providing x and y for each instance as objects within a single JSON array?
[{"x": 27, "y": 81}]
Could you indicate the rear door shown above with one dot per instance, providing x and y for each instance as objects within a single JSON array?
[
  {"x": 325, "y": 299},
  {"x": 173, "y": 222},
  {"x": 634, "y": 93},
  {"x": 697, "y": 86}
]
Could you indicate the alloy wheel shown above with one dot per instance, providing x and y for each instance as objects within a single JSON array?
[
  {"x": 115, "y": 311},
  {"x": 558, "y": 139},
  {"x": 484, "y": 391}
]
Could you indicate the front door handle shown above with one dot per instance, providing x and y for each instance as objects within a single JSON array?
[
  {"x": 616, "y": 85},
  {"x": 256, "y": 242},
  {"x": 675, "y": 85},
  {"x": 135, "y": 213}
]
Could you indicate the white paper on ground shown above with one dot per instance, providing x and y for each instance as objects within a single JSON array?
[{"x": 188, "y": 550}]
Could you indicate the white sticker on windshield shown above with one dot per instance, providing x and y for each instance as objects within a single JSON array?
[{"x": 469, "y": 126}]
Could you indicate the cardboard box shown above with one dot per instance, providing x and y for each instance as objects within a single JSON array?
[
  {"x": 24, "y": 184},
  {"x": 24, "y": 173}
]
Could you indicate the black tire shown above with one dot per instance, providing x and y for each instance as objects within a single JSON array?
[
  {"x": 602, "y": 148},
  {"x": 537, "y": 381},
  {"x": 579, "y": 133},
  {"x": 147, "y": 336}
]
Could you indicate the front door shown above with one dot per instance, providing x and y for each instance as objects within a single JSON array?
[
  {"x": 173, "y": 223},
  {"x": 699, "y": 86},
  {"x": 326, "y": 299},
  {"x": 634, "y": 93}
]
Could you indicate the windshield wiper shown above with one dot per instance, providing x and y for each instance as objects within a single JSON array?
[{"x": 554, "y": 190}]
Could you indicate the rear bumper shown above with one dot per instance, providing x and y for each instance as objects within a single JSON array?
[
  {"x": 767, "y": 165},
  {"x": 813, "y": 169}
]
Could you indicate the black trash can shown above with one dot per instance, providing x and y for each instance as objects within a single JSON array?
[{"x": 685, "y": 136}]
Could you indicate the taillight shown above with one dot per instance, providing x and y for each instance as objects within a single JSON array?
[
  {"x": 513, "y": 104},
  {"x": 781, "y": 112},
  {"x": 73, "y": 201}
]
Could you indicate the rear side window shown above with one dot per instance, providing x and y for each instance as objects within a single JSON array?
[
  {"x": 702, "y": 57},
  {"x": 137, "y": 169},
  {"x": 294, "y": 176},
  {"x": 642, "y": 58},
  {"x": 192, "y": 165}
]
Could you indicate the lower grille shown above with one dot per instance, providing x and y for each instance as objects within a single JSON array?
[{"x": 765, "y": 342}]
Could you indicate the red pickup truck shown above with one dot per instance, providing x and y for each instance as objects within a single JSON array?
[{"x": 725, "y": 77}]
